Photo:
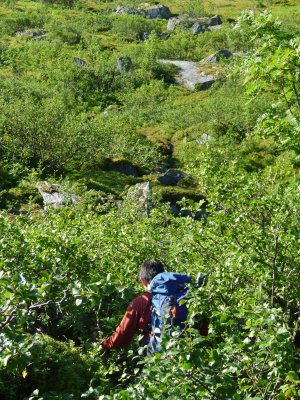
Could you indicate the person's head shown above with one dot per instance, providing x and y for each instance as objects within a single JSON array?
[{"x": 149, "y": 269}]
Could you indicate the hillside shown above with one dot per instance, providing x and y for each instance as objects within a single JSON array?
[{"x": 133, "y": 131}]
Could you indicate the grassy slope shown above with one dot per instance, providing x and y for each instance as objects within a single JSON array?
[{"x": 180, "y": 136}]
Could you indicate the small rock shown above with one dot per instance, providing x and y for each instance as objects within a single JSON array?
[
  {"x": 197, "y": 28},
  {"x": 172, "y": 177},
  {"x": 124, "y": 64},
  {"x": 141, "y": 195},
  {"x": 79, "y": 62},
  {"x": 215, "y": 20},
  {"x": 145, "y": 36},
  {"x": 204, "y": 139},
  {"x": 217, "y": 56},
  {"x": 52, "y": 195},
  {"x": 172, "y": 22}
]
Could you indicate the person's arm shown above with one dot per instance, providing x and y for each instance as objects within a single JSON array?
[{"x": 127, "y": 328}]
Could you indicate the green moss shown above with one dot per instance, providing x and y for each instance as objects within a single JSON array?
[
  {"x": 106, "y": 182},
  {"x": 173, "y": 194}
]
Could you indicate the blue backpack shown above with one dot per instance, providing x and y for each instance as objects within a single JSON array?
[{"x": 167, "y": 290}]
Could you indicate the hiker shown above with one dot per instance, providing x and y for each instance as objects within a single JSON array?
[
  {"x": 137, "y": 318},
  {"x": 157, "y": 309}
]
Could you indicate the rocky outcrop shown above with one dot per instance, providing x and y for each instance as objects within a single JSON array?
[
  {"x": 141, "y": 195},
  {"x": 53, "y": 196},
  {"x": 190, "y": 75},
  {"x": 196, "y": 25}
]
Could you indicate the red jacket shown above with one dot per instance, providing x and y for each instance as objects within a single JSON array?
[{"x": 136, "y": 319}]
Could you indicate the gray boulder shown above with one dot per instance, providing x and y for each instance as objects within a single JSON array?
[
  {"x": 216, "y": 57},
  {"x": 53, "y": 196},
  {"x": 197, "y": 28},
  {"x": 190, "y": 75},
  {"x": 215, "y": 20},
  {"x": 196, "y": 25},
  {"x": 155, "y": 11},
  {"x": 171, "y": 177},
  {"x": 78, "y": 61},
  {"x": 124, "y": 63},
  {"x": 204, "y": 139},
  {"x": 141, "y": 195},
  {"x": 172, "y": 23}
]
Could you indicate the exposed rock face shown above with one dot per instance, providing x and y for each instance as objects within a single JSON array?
[
  {"x": 124, "y": 64},
  {"x": 190, "y": 74},
  {"x": 217, "y": 56},
  {"x": 172, "y": 177},
  {"x": 141, "y": 195},
  {"x": 53, "y": 196}
]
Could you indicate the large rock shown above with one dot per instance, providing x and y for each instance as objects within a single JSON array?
[
  {"x": 190, "y": 75},
  {"x": 141, "y": 195},
  {"x": 171, "y": 177},
  {"x": 155, "y": 11},
  {"x": 53, "y": 196},
  {"x": 217, "y": 56}
]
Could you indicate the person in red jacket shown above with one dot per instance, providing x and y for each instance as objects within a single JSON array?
[{"x": 137, "y": 318}]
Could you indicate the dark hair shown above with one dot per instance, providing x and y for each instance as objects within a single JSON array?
[{"x": 150, "y": 268}]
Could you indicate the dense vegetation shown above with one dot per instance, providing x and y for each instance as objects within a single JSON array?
[{"x": 69, "y": 115}]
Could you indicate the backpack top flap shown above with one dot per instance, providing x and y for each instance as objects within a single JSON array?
[{"x": 168, "y": 283}]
